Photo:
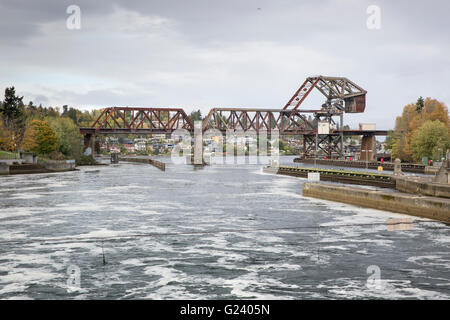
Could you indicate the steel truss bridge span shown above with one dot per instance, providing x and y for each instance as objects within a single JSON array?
[
  {"x": 342, "y": 96},
  {"x": 124, "y": 120},
  {"x": 127, "y": 120}
]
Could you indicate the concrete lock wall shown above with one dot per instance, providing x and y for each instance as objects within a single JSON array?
[
  {"x": 443, "y": 174},
  {"x": 426, "y": 207},
  {"x": 423, "y": 188}
]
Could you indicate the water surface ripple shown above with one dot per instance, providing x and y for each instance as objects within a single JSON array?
[{"x": 123, "y": 199}]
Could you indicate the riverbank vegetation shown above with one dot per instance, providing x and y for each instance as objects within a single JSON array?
[
  {"x": 421, "y": 131},
  {"x": 49, "y": 132}
]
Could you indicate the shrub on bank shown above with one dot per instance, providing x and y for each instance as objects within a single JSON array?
[
  {"x": 86, "y": 161},
  {"x": 56, "y": 155}
]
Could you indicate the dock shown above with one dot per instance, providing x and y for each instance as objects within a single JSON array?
[
  {"x": 350, "y": 177},
  {"x": 387, "y": 166}
]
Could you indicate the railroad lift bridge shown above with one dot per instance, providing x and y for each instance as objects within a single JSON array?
[{"x": 321, "y": 128}]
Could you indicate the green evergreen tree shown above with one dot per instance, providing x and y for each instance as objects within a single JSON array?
[
  {"x": 13, "y": 115},
  {"x": 196, "y": 115},
  {"x": 11, "y": 108},
  {"x": 420, "y": 104}
]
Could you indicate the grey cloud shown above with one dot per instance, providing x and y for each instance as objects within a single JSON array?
[
  {"x": 21, "y": 19},
  {"x": 40, "y": 99},
  {"x": 204, "y": 53}
]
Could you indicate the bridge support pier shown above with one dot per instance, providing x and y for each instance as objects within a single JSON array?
[
  {"x": 198, "y": 144},
  {"x": 89, "y": 143},
  {"x": 368, "y": 148},
  {"x": 114, "y": 158}
]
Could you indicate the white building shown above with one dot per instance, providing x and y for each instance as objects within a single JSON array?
[{"x": 140, "y": 146}]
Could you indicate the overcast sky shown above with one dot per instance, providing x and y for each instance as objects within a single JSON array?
[{"x": 229, "y": 53}]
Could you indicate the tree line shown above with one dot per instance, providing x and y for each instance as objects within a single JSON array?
[
  {"x": 49, "y": 132},
  {"x": 421, "y": 131}
]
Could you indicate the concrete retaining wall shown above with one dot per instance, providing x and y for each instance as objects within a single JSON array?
[
  {"x": 4, "y": 168},
  {"x": 431, "y": 170},
  {"x": 54, "y": 165},
  {"x": 27, "y": 168},
  {"x": 158, "y": 164},
  {"x": 425, "y": 207},
  {"x": 272, "y": 170},
  {"x": 12, "y": 161},
  {"x": 137, "y": 160},
  {"x": 423, "y": 188}
]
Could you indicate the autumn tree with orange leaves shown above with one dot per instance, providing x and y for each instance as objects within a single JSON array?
[
  {"x": 414, "y": 116},
  {"x": 40, "y": 138}
]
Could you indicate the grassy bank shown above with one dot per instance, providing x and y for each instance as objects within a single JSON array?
[{"x": 8, "y": 155}]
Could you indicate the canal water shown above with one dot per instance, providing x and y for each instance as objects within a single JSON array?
[{"x": 221, "y": 232}]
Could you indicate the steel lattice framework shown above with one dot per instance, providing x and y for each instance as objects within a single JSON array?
[
  {"x": 141, "y": 120},
  {"x": 337, "y": 90},
  {"x": 166, "y": 120},
  {"x": 342, "y": 96},
  {"x": 287, "y": 122}
]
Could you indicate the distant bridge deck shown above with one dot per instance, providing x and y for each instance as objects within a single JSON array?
[
  {"x": 124, "y": 120},
  {"x": 100, "y": 131},
  {"x": 286, "y": 122}
]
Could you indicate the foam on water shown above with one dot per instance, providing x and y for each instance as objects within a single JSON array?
[{"x": 169, "y": 263}]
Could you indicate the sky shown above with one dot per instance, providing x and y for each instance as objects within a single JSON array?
[{"x": 201, "y": 54}]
